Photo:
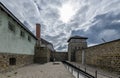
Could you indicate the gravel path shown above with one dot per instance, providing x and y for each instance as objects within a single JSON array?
[{"x": 48, "y": 70}]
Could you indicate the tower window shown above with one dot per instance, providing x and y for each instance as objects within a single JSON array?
[{"x": 12, "y": 61}]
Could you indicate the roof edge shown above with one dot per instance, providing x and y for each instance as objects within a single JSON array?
[
  {"x": 16, "y": 19},
  {"x": 76, "y": 37}
]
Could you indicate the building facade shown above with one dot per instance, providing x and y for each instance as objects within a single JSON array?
[
  {"x": 75, "y": 43},
  {"x": 16, "y": 41},
  {"x": 18, "y": 45},
  {"x": 105, "y": 56}
]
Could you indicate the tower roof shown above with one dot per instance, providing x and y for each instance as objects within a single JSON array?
[{"x": 76, "y": 37}]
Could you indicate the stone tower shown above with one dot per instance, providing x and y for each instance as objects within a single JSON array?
[
  {"x": 43, "y": 48},
  {"x": 75, "y": 43}
]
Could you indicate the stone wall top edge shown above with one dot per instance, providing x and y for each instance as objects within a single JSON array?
[
  {"x": 61, "y": 52},
  {"x": 104, "y": 43},
  {"x": 15, "y": 54}
]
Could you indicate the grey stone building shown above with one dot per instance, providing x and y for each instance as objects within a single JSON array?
[
  {"x": 105, "y": 56},
  {"x": 18, "y": 43},
  {"x": 75, "y": 43}
]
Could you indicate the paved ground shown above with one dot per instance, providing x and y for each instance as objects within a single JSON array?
[
  {"x": 92, "y": 70},
  {"x": 48, "y": 70}
]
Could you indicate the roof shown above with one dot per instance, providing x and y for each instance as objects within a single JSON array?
[
  {"x": 76, "y": 37},
  {"x": 48, "y": 44},
  {"x": 45, "y": 42},
  {"x": 16, "y": 19}
]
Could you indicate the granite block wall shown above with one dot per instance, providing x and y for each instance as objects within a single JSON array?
[
  {"x": 105, "y": 56},
  {"x": 42, "y": 55},
  {"x": 78, "y": 56},
  {"x": 60, "y": 56},
  {"x": 18, "y": 59}
]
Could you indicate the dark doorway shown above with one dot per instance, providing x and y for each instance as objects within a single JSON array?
[
  {"x": 12, "y": 61},
  {"x": 73, "y": 56}
]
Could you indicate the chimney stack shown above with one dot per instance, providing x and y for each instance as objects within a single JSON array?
[{"x": 38, "y": 31}]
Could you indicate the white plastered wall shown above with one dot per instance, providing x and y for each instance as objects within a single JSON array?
[{"x": 11, "y": 42}]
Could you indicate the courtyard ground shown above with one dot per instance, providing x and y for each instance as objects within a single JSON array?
[{"x": 48, "y": 70}]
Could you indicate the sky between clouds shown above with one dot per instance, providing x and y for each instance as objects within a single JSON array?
[{"x": 60, "y": 19}]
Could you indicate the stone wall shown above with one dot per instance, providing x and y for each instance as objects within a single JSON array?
[
  {"x": 60, "y": 56},
  {"x": 21, "y": 60},
  {"x": 78, "y": 56},
  {"x": 42, "y": 55},
  {"x": 105, "y": 56}
]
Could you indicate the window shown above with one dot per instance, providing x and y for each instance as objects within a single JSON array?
[
  {"x": 22, "y": 34},
  {"x": 29, "y": 38},
  {"x": 0, "y": 21},
  {"x": 11, "y": 27},
  {"x": 12, "y": 61}
]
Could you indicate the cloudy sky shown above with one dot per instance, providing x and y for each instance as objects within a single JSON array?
[{"x": 60, "y": 19}]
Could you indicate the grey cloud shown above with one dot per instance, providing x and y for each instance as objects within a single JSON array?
[
  {"x": 104, "y": 28},
  {"x": 54, "y": 38},
  {"x": 62, "y": 47},
  {"x": 91, "y": 19}
]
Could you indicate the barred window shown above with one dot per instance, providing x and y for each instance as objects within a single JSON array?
[
  {"x": 0, "y": 22},
  {"x": 29, "y": 38},
  {"x": 11, "y": 27},
  {"x": 0, "y": 19},
  {"x": 22, "y": 34},
  {"x": 12, "y": 61}
]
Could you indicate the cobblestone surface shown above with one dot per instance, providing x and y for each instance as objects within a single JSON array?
[{"x": 48, "y": 70}]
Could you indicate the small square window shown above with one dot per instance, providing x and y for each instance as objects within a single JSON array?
[
  {"x": 12, "y": 61},
  {"x": 11, "y": 27},
  {"x": 29, "y": 38},
  {"x": 22, "y": 34}
]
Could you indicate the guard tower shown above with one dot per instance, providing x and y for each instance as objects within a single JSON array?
[{"x": 75, "y": 43}]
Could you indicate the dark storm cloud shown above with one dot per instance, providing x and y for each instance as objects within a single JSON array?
[
  {"x": 107, "y": 27},
  {"x": 94, "y": 19}
]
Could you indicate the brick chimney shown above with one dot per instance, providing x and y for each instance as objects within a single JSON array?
[{"x": 38, "y": 31}]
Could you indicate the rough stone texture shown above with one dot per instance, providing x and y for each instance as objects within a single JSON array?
[
  {"x": 21, "y": 60},
  {"x": 105, "y": 56},
  {"x": 78, "y": 56},
  {"x": 75, "y": 45},
  {"x": 60, "y": 56},
  {"x": 42, "y": 55}
]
